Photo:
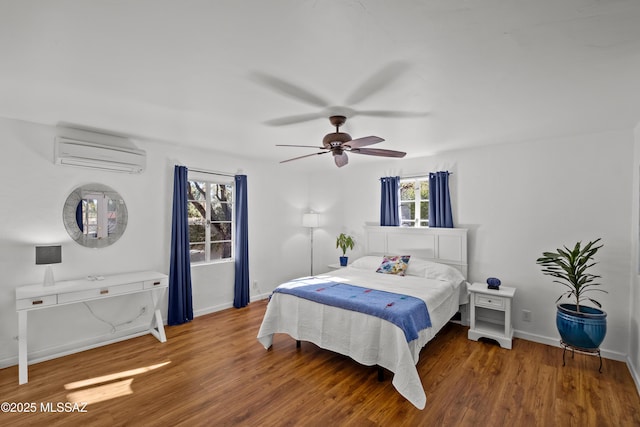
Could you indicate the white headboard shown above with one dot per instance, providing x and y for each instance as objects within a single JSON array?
[{"x": 443, "y": 245}]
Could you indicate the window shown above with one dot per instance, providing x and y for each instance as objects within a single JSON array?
[
  {"x": 414, "y": 202},
  {"x": 211, "y": 224}
]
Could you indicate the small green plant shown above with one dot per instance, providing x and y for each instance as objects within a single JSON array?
[
  {"x": 344, "y": 242},
  {"x": 570, "y": 267}
]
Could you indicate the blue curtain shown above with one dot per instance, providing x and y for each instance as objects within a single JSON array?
[
  {"x": 79, "y": 217},
  {"x": 180, "y": 302},
  {"x": 241, "y": 292},
  {"x": 389, "y": 201},
  {"x": 439, "y": 200}
]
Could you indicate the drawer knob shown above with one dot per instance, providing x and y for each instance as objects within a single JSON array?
[
  {"x": 36, "y": 302},
  {"x": 156, "y": 283},
  {"x": 104, "y": 291}
]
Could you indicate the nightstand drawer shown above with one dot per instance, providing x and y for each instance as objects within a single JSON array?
[
  {"x": 159, "y": 283},
  {"x": 26, "y": 303},
  {"x": 489, "y": 301},
  {"x": 99, "y": 292}
]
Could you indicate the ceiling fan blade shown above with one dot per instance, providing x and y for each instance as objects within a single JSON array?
[
  {"x": 379, "y": 152},
  {"x": 361, "y": 142},
  {"x": 306, "y": 146},
  {"x": 378, "y": 81},
  {"x": 389, "y": 113},
  {"x": 289, "y": 89},
  {"x": 302, "y": 157},
  {"x": 289, "y": 120}
]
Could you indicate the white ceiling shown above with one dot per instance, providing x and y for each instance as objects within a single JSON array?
[{"x": 197, "y": 72}]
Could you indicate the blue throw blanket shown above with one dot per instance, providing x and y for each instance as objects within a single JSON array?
[{"x": 408, "y": 313}]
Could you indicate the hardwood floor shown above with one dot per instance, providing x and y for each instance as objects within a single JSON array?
[{"x": 213, "y": 371}]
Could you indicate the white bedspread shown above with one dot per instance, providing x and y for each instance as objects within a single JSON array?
[{"x": 367, "y": 339}]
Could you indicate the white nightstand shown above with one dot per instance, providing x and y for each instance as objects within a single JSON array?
[
  {"x": 491, "y": 313},
  {"x": 336, "y": 266}
]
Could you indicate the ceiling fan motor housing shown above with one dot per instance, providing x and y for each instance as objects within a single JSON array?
[{"x": 335, "y": 139}]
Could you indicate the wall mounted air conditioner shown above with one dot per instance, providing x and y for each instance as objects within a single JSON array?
[{"x": 75, "y": 147}]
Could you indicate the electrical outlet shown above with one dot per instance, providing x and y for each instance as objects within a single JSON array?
[{"x": 526, "y": 315}]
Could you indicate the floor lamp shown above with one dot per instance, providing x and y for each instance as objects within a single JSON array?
[{"x": 311, "y": 220}]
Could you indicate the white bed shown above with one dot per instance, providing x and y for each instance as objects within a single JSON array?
[{"x": 371, "y": 340}]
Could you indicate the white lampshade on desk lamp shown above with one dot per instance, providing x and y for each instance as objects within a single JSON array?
[
  {"x": 311, "y": 220},
  {"x": 48, "y": 255}
]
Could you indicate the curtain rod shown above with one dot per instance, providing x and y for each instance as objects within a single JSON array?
[
  {"x": 213, "y": 172},
  {"x": 420, "y": 176}
]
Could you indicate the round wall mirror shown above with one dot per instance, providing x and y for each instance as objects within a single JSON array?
[{"x": 95, "y": 215}]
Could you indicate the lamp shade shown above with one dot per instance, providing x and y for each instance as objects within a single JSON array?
[
  {"x": 311, "y": 220},
  {"x": 48, "y": 254}
]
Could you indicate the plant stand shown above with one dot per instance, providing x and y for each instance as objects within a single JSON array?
[{"x": 589, "y": 351}]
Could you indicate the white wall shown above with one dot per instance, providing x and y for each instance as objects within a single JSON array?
[
  {"x": 32, "y": 198},
  {"x": 517, "y": 200},
  {"x": 634, "y": 300}
]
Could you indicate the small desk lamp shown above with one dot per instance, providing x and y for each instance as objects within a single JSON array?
[{"x": 48, "y": 255}]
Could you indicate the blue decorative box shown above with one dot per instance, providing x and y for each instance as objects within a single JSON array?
[{"x": 494, "y": 283}]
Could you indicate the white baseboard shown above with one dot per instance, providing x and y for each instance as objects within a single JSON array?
[
  {"x": 66, "y": 349},
  {"x": 634, "y": 374},
  {"x": 555, "y": 342},
  {"x": 260, "y": 297},
  {"x": 220, "y": 307}
]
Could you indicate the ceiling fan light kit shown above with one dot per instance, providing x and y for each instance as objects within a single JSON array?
[{"x": 339, "y": 143}]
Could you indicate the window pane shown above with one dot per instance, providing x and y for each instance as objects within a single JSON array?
[
  {"x": 424, "y": 210},
  {"x": 197, "y": 252},
  {"x": 424, "y": 190},
  {"x": 196, "y": 210},
  {"x": 424, "y": 223},
  {"x": 220, "y": 211},
  {"x": 196, "y": 190},
  {"x": 220, "y": 250},
  {"x": 229, "y": 193},
  {"x": 407, "y": 191},
  {"x": 407, "y": 210},
  {"x": 197, "y": 232},
  {"x": 220, "y": 231},
  {"x": 220, "y": 193},
  {"x": 197, "y": 226}
]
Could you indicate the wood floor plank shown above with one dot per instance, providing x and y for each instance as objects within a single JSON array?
[{"x": 213, "y": 371}]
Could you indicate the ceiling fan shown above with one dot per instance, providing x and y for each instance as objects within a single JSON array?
[
  {"x": 375, "y": 83},
  {"x": 340, "y": 143}
]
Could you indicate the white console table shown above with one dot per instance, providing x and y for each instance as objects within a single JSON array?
[{"x": 38, "y": 297}]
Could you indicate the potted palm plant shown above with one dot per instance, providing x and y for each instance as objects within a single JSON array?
[
  {"x": 579, "y": 325},
  {"x": 344, "y": 242}
]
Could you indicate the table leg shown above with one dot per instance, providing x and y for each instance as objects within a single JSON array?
[
  {"x": 23, "y": 363},
  {"x": 157, "y": 327}
]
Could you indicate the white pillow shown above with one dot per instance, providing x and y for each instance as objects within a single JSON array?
[
  {"x": 434, "y": 270},
  {"x": 367, "y": 263}
]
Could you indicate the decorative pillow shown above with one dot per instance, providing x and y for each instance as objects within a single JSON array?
[
  {"x": 394, "y": 265},
  {"x": 434, "y": 270}
]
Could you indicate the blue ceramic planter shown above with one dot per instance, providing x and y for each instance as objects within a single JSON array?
[
  {"x": 344, "y": 260},
  {"x": 585, "y": 329}
]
